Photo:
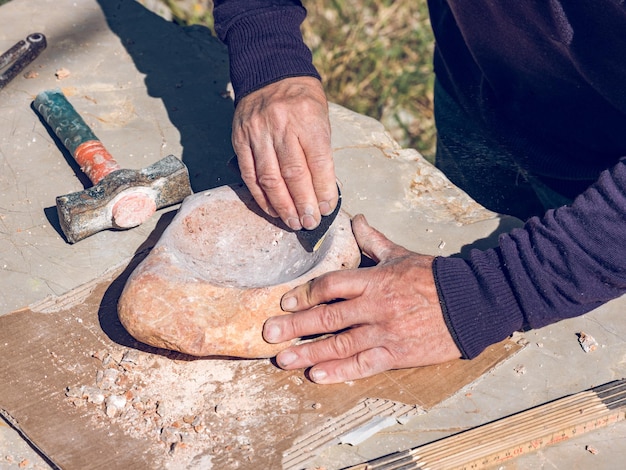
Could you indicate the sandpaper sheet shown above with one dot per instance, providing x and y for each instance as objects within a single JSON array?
[{"x": 87, "y": 395}]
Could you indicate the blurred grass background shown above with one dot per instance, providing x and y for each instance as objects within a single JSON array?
[{"x": 375, "y": 57}]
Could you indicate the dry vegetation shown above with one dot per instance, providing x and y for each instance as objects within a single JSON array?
[{"x": 374, "y": 57}]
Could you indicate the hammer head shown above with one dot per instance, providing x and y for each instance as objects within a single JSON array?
[{"x": 123, "y": 199}]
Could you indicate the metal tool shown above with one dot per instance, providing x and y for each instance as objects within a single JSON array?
[
  {"x": 312, "y": 239},
  {"x": 120, "y": 198},
  {"x": 499, "y": 441},
  {"x": 19, "y": 56}
]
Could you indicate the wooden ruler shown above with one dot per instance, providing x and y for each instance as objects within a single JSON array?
[{"x": 504, "y": 439}]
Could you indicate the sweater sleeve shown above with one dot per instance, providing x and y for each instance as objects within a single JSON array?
[
  {"x": 264, "y": 42},
  {"x": 560, "y": 266}
]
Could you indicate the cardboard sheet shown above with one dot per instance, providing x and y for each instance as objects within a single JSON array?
[{"x": 89, "y": 396}]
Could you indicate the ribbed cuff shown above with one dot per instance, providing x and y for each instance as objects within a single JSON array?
[
  {"x": 267, "y": 48},
  {"x": 477, "y": 301}
]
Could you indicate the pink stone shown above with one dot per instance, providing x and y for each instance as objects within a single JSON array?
[{"x": 219, "y": 271}]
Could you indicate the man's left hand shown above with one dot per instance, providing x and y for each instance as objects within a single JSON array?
[{"x": 383, "y": 317}]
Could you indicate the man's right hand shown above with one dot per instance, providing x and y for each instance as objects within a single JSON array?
[{"x": 281, "y": 135}]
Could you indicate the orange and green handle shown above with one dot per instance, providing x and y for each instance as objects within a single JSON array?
[{"x": 88, "y": 151}]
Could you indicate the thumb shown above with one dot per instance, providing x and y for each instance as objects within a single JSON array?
[{"x": 373, "y": 243}]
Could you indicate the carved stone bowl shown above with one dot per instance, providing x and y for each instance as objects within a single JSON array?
[{"x": 219, "y": 271}]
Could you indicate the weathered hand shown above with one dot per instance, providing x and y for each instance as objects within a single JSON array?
[
  {"x": 386, "y": 317},
  {"x": 281, "y": 135}
]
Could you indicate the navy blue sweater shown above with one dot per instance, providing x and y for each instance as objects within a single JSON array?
[{"x": 550, "y": 78}]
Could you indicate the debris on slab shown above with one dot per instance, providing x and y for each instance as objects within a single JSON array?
[
  {"x": 12, "y": 461},
  {"x": 587, "y": 342},
  {"x": 185, "y": 408},
  {"x": 519, "y": 338},
  {"x": 360, "y": 434},
  {"x": 62, "y": 73}
]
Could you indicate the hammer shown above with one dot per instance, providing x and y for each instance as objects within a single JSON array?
[{"x": 120, "y": 198}]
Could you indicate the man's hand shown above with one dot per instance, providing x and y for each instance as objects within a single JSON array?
[
  {"x": 386, "y": 317},
  {"x": 281, "y": 135}
]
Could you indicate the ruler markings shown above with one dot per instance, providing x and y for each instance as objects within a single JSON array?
[{"x": 507, "y": 438}]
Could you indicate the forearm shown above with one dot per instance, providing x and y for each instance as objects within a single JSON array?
[
  {"x": 264, "y": 42},
  {"x": 563, "y": 265}
]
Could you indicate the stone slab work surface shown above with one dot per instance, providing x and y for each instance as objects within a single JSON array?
[
  {"x": 149, "y": 88},
  {"x": 144, "y": 96}
]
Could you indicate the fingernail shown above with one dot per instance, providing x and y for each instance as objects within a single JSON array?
[
  {"x": 308, "y": 222},
  {"x": 318, "y": 375},
  {"x": 272, "y": 333},
  {"x": 294, "y": 223},
  {"x": 272, "y": 212},
  {"x": 285, "y": 358},
  {"x": 325, "y": 208},
  {"x": 288, "y": 303}
]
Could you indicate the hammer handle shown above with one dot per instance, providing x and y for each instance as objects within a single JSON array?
[{"x": 94, "y": 160}]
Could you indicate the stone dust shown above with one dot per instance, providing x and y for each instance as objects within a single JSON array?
[{"x": 197, "y": 413}]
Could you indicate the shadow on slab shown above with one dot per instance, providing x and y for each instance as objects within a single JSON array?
[
  {"x": 108, "y": 317},
  {"x": 505, "y": 225},
  {"x": 187, "y": 68}
]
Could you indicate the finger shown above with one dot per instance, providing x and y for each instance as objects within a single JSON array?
[
  {"x": 319, "y": 320},
  {"x": 313, "y": 188},
  {"x": 266, "y": 175},
  {"x": 372, "y": 242},
  {"x": 339, "y": 346},
  {"x": 364, "y": 364},
  {"x": 245, "y": 160},
  {"x": 247, "y": 170},
  {"x": 346, "y": 284},
  {"x": 318, "y": 151},
  {"x": 296, "y": 174}
]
